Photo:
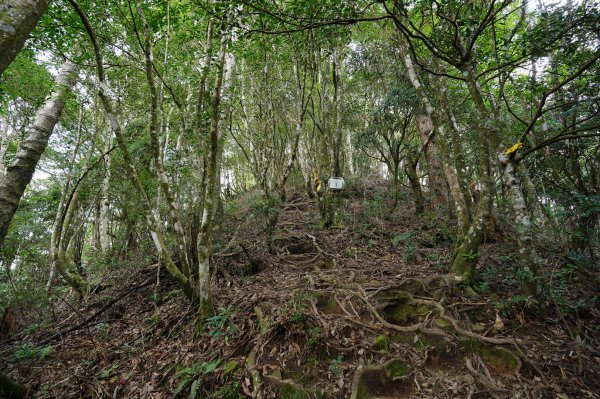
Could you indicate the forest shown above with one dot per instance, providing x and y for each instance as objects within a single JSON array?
[{"x": 300, "y": 199}]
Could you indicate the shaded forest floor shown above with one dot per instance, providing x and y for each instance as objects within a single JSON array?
[{"x": 362, "y": 310}]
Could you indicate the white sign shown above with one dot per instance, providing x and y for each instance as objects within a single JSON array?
[{"x": 336, "y": 183}]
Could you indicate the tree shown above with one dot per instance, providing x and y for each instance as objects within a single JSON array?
[
  {"x": 21, "y": 169},
  {"x": 19, "y": 18}
]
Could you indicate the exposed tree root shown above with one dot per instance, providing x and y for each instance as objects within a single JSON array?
[
  {"x": 257, "y": 382},
  {"x": 484, "y": 379}
]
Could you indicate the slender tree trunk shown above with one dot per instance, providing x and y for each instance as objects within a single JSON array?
[
  {"x": 3, "y": 145},
  {"x": 204, "y": 239},
  {"x": 57, "y": 226},
  {"x": 104, "y": 216},
  {"x": 467, "y": 253},
  {"x": 165, "y": 185},
  {"x": 65, "y": 264},
  {"x": 429, "y": 141},
  {"x": 21, "y": 169},
  {"x": 154, "y": 225},
  {"x": 18, "y": 18},
  {"x": 527, "y": 256},
  {"x": 415, "y": 185},
  {"x": 338, "y": 142},
  {"x": 470, "y": 236}
]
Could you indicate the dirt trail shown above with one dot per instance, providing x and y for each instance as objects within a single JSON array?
[{"x": 361, "y": 311}]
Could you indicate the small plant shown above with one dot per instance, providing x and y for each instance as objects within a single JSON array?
[
  {"x": 401, "y": 238},
  {"x": 102, "y": 329},
  {"x": 517, "y": 301},
  {"x": 334, "y": 366},
  {"x": 27, "y": 351},
  {"x": 221, "y": 324},
  {"x": 108, "y": 372},
  {"x": 410, "y": 254},
  {"x": 314, "y": 336},
  {"x": 35, "y": 326},
  {"x": 191, "y": 375},
  {"x": 472, "y": 255},
  {"x": 435, "y": 259},
  {"x": 297, "y": 313},
  {"x": 229, "y": 391}
]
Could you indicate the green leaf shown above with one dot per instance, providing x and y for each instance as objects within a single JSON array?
[
  {"x": 194, "y": 388},
  {"x": 210, "y": 367}
]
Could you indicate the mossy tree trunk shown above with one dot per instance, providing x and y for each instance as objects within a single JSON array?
[
  {"x": 18, "y": 18},
  {"x": 415, "y": 185},
  {"x": 527, "y": 255},
  {"x": 204, "y": 239},
  {"x": 9, "y": 389}
]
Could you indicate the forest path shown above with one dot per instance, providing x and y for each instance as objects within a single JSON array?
[
  {"x": 340, "y": 313},
  {"x": 360, "y": 311}
]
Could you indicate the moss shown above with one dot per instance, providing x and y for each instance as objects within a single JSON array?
[
  {"x": 404, "y": 339},
  {"x": 402, "y": 308},
  {"x": 443, "y": 324},
  {"x": 332, "y": 306},
  {"x": 397, "y": 368},
  {"x": 498, "y": 359},
  {"x": 386, "y": 380},
  {"x": 230, "y": 366},
  {"x": 327, "y": 304},
  {"x": 430, "y": 341},
  {"x": 362, "y": 391},
  {"x": 289, "y": 391},
  {"x": 382, "y": 343}
]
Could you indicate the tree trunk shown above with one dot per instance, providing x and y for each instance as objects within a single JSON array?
[
  {"x": 527, "y": 256},
  {"x": 19, "y": 18},
  {"x": 20, "y": 171},
  {"x": 415, "y": 185},
  {"x": 58, "y": 225},
  {"x": 338, "y": 141},
  {"x": 467, "y": 253},
  {"x": 469, "y": 236},
  {"x": 10, "y": 389},
  {"x": 154, "y": 225},
  {"x": 3, "y": 145},
  {"x": 429, "y": 141},
  {"x": 103, "y": 228},
  {"x": 204, "y": 239}
]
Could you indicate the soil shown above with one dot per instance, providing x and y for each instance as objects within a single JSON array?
[{"x": 361, "y": 310}]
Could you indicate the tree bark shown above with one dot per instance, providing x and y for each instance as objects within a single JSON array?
[
  {"x": 20, "y": 171},
  {"x": 204, "y": 239},
  {"x": 10, "y": 389},
  {"x": 527, "y": 256},
  {"x": 17, "y": 19}
]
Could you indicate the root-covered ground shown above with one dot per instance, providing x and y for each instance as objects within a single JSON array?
[{"x": 362, "y": 310}]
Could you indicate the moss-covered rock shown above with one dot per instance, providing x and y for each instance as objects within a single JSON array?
[
  {"x": 497, "y": 358},
  {"x": 382, "y": 343},
  {"x": 286, "y": 390},
  {"x": 327, "y": 304},
  {"x": 397, "y": 368},
  {"x": 398, "y": 307}
]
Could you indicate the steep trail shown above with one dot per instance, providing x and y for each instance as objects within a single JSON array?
[{"x": 357, "y": 311}]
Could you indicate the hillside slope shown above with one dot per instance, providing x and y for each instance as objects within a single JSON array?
[{"x": 362, "y": 310}]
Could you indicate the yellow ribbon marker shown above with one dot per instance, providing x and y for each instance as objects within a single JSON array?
[
  {"x": 317, "y": 180},
  {"x": 516, "y": 147}
]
